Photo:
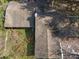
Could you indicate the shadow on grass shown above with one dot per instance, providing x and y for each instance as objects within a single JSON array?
[
  {"x": 30, "y": 34},
  {"x": 31, "y": 42}
]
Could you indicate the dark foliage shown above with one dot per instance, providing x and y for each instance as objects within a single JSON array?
[{"x": 63, "y": 26}]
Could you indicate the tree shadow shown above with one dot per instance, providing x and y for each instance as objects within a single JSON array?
[
  {"x": 69, "y": 30},
  {"x": 31, "y": 42},
  {"x": 30, "y": 34},
  {"x": 28, "y": 5}
]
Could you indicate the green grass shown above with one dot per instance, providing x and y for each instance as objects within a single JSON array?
[{"x": 19, "y": 57}]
